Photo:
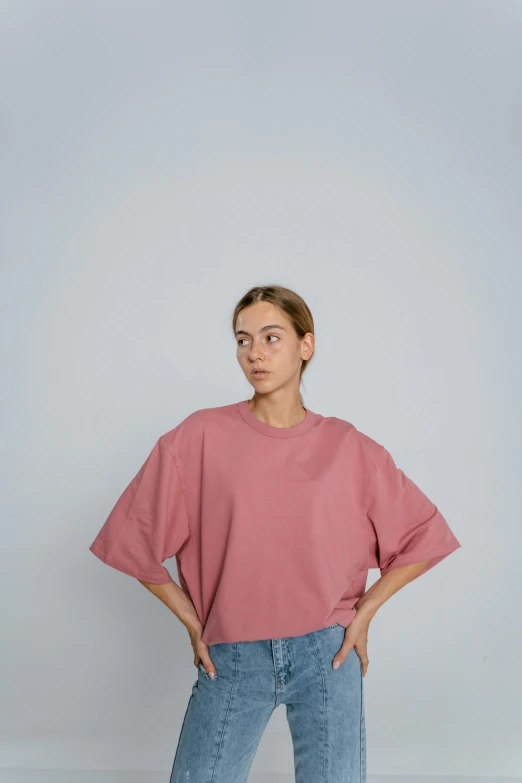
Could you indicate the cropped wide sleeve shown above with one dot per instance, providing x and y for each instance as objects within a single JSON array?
[
  {"x": 404, "y": 526},
  {"x": 149, "y": 522}
]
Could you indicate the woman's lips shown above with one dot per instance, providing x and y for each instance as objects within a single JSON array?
[{"x": 260, "y": 373}]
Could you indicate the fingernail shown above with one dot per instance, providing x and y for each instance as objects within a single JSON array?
[
  {"x": 336, "y": 664},
  {"x": 212, "y": 675}
]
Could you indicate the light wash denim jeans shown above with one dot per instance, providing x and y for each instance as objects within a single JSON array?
[{"x": 226, "y": 717}]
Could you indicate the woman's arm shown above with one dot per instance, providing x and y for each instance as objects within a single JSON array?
[
  {"x": 356, "y": 634},
  {"x": 180, "y": 604},
  {"x": 386, "y": 586}
]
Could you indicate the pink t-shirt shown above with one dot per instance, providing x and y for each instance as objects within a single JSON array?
[{"x": 273, "y": 529}]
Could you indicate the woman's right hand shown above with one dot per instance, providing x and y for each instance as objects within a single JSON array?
[{"x": 200, "y": 649}]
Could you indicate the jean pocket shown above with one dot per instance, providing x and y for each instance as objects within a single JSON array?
[{"x": 334, "y": 625}]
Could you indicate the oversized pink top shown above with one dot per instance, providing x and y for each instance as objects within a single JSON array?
[{"x": 273, "y": 529}]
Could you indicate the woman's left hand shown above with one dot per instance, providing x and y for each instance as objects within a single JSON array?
[{"x": 356, "y": 635}]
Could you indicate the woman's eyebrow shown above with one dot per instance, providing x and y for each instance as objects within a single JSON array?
[{"x": 263, "y": 329}]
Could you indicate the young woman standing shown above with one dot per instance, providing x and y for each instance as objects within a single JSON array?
[{"x": 275, "y": 514}]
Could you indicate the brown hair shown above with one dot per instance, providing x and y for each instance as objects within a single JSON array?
[{"x": 294, "y": 307}]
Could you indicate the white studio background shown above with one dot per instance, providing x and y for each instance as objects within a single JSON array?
[{"x": 159, "y": 159}]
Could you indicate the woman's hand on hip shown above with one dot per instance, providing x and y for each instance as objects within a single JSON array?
[
  {"x": 356, "y": 636},
  {"x": 200, "y": 649}
]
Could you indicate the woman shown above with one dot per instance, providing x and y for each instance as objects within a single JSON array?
[{"x": 275, "y": 514}]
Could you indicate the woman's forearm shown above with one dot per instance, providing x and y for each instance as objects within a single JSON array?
[
  {"x": 177, "y": 601},
  {"x": 386, "y": 586}
]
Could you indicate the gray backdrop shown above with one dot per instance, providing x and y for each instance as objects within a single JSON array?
[{"x": 159, "y": 158}]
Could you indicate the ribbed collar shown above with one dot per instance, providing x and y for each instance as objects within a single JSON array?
[{"x": 277, "y": 432}]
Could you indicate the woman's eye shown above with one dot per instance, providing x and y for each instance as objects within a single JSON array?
[{"x": 244, "y": 339}]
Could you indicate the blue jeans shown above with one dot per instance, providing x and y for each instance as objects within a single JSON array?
[{"x": 226, "y": 717}]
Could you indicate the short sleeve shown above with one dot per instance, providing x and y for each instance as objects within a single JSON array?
[
  {"x": 149, "y": 522},
  {"x": 404, "y": 526}
]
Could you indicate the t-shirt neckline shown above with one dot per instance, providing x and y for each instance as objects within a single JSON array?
[{"x": 277, "y": 432}]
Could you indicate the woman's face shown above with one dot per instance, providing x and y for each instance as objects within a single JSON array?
[{"x": 266, "y": 339}]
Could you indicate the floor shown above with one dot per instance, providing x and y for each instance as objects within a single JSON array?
[{"x": 82, "y": 776}]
